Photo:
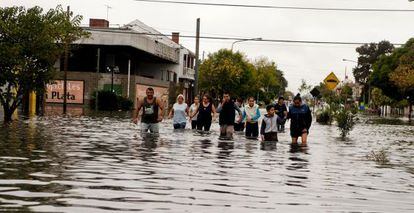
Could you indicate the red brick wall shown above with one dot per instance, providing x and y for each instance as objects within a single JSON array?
[{"x": 176, "y": 37}]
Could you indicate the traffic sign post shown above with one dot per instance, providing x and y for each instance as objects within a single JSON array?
[{"x": 331, "y": 81}]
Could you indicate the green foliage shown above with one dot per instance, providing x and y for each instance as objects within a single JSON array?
[
  {"x": 324, "y": 117},
  {"x": 269, "y": 79},
  {"x": 379, "y": 99},
  {"x": 124, "y": 104},
  {"x": 368, "y": 55},
  {"x": 231, "y": 71},
  {"x": 325, "y": 93},
  {"x": 345, "y": 120},
  {"x": 107, "y": 101},
  {"x": 30, "y": 44},
  {"x": 225, "y": 70},
  {"x": 393, "y": 73},
  {"x": 346, "y": 92}
]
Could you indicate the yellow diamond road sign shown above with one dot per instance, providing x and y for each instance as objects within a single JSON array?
[{"x": 331, "y": 81}]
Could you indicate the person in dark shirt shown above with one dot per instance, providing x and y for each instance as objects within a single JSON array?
[
  {"x": 227, "y": 110},
  {"x": 300, "y": 121},
  {"x": 205, "y": 113},
  {"x": 281, "y": 111},
  {"x": 151, "y": 114}
]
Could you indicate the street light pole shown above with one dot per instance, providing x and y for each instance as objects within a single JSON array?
[
  {"x": 350, "y": 60},
  {"x": 369, "y": 85},
  {"x": 243, "y": 40}
]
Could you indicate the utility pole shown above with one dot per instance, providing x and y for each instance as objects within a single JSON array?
[
  {"x": 129, "y": 77},
  {"x": 98, "y": 65},
  {"x": 197, "y": 53},
  {"x": 65, "y": 68}
]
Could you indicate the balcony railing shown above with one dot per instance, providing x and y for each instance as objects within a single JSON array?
[{"x": 188, "y": 73}]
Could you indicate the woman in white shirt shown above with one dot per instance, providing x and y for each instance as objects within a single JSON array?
[
  {"x": 194, "y": 109},
  {"x": 179, "y": 113}
]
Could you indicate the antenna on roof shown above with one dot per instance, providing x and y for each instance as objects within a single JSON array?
[{"x": 107, "y": 11}]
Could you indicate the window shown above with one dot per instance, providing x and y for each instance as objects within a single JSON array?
[
  {"x": 175, "y": 77},
  {"x": 110, "y": 60},
  {"x": 185, "y": 60}
]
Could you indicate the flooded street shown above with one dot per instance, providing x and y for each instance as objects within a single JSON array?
[{"x": 102, "y": 164}]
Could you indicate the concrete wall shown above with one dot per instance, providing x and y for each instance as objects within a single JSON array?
[
  {"x": 157, "y": 71},
  {"x": 129, "y": 38}
]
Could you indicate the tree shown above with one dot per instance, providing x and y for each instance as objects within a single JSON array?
[
  {"x": 393, "y": 73},
  {"x": 379, "y": 99},
  {"x": 270, "y": 81},
  {"x": 227, "y": 70},
  {"x": 325, "y": 93},
  {"x": 30, "y": 43},
  {"x": 368, "y": 55},
  {"x": 288, "y": 95},
  {"x": 304, "y": 88}
]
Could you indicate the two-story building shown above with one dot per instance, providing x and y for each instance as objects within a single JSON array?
[
  {"x": 185, "y": 69},
  {"x": 127, "y": 60}
]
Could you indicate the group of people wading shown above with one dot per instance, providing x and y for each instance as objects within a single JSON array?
[{"x": 233, "y": 116}]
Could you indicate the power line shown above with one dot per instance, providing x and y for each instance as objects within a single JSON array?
[
  {"x": 240, "y": 38},
  {"x": 277, "y": 7}
]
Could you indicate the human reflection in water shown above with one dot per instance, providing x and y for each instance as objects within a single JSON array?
[
  {"x": 149, "y": 140},
  {"x": 226, "y": 148},
  {"x": 297, "y": 170},
  {"x": 268, "y": 145},
  {"x": 205, "y": 145},
  {"x": 294, "y": 148}
]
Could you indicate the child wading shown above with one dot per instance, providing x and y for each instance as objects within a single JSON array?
[
  {"x": 269, "y": 130},
  {"x": 252, "y": 114},
  {"x": 300, "y": 120},
  {"x": 281, "y": 111},
  {"x": 227, "y": 114}
]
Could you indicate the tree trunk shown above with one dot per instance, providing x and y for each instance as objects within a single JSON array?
[
  {"x": 410, "y": 111},
  {"x": 7, "y": 114}
]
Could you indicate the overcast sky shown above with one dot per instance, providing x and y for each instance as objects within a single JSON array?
[{"x": 298, "y": 61}]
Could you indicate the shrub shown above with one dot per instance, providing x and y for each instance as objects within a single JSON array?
[
  {"x": 107, "y": 101},
  {"x": 380, "y": 156},
  {"x": 345, "y": 121},
  {"x": 124, "y": 103},
  {"x": 324, "y": 117},
  {"x": 110, "y": 101}
]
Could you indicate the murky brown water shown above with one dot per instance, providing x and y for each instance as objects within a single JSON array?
[{"x": 101, "y": 164}]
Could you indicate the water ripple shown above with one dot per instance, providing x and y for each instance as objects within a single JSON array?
[{"x": 102, "y": 164}]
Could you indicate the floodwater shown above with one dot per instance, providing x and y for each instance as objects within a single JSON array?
[{"x": 101, "y": 164}]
